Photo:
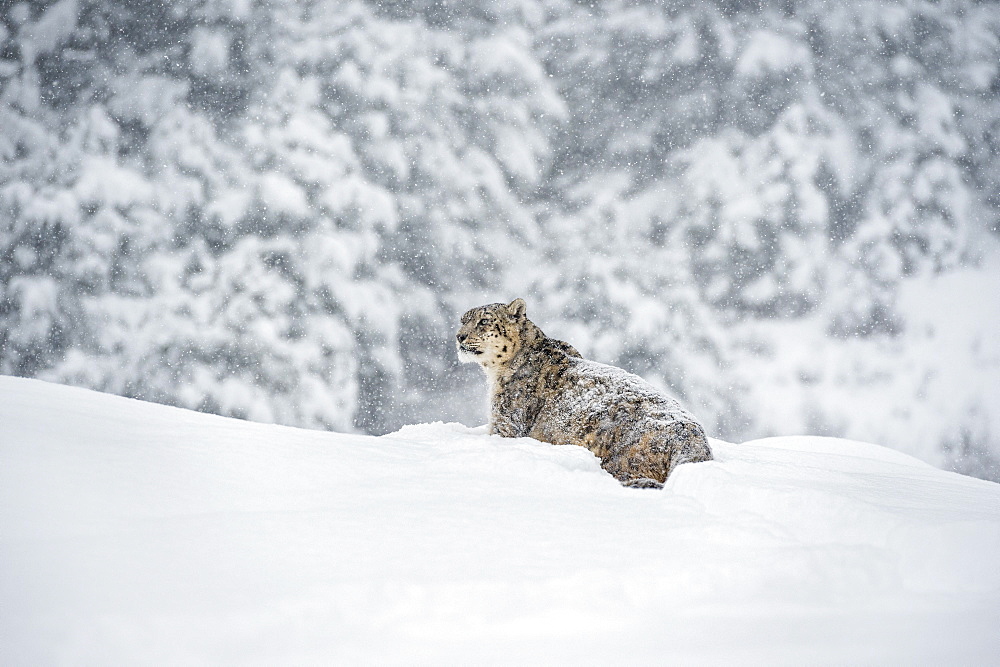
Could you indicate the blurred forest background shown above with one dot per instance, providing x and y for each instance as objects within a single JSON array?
[{"x": 784, "y": 213}]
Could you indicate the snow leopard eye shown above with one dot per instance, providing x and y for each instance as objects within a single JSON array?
[{"x": 483, "y": 322}]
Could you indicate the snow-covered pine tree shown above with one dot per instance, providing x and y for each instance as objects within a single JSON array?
[{"x": 408, "y": 145}]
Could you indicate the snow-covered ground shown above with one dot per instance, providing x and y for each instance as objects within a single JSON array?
[{"x": 137, "y": 533}]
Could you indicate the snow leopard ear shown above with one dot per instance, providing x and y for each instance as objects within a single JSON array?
[{"x": 517, "y": 308}]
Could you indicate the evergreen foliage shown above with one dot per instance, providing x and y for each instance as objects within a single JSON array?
[{"x": 276, "y": 210}]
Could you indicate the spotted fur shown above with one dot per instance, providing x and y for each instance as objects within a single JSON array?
[{"x": 543, "y": 388}]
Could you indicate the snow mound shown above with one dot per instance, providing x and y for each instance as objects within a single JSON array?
[{"x": 133, "y": 532}]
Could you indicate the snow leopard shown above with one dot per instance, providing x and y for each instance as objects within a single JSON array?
[{"x": 543, "y": 388}]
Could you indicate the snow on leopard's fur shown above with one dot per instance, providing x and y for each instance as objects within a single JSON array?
[{"x": 543, "y": 388}]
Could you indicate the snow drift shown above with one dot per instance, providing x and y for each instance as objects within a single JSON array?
[{"x": 133, "y": 532}]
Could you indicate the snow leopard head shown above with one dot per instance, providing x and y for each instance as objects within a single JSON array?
[{"x": 491, "y": 334}]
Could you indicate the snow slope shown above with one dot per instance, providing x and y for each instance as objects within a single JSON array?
[{"x": 138, "y": 533}]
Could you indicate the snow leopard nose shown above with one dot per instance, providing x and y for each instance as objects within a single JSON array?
[{"x": 461, "y": 337}]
